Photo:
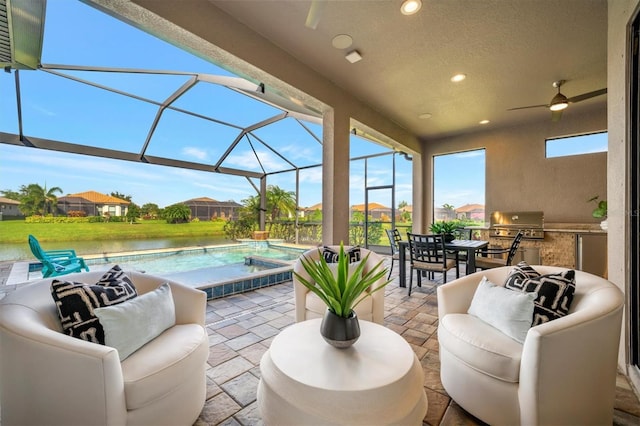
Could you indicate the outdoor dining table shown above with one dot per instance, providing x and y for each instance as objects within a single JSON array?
[{"x": 470, "y": 246}]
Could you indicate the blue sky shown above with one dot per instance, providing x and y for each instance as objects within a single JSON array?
[
  {"x": 459, "y": 178},
  {"x": 60, "y": 109}
]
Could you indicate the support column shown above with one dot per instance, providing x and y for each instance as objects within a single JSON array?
[
  {"x": 335, "y": 178},
  {"x": 263, "y": 203},
  {"x": 421, "y": 191}
]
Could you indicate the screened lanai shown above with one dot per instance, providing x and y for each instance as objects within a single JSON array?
[{"x": 103, "y": 88}]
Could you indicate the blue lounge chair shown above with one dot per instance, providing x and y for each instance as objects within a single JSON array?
[{"x": 56, "y": 262}]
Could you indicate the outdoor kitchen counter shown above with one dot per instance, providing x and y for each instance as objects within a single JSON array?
[
  {"x": 574, "y": 228},
  {"x": 558, "y": 248}
]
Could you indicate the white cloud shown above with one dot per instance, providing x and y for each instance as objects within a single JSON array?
[
  {"x": 313, "y": 175},
  {"x": 80, "y": 165},
  {"x": 198, "y": 153},
  {"x": 42, "y": 110},
  {"x": 247, "y": 161},
  {"x": 297, "y": 153}
]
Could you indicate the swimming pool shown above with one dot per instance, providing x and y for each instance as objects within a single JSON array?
[
  {"x": 161, "y": 262},
  {"x": 220, "y": 270}
]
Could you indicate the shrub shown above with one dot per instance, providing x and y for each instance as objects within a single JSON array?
[
  {"x": 241, "y": 228},
  {"x": 55, "y": 219},
  {"x": 76, "y": 213},
  {"x": 177, "y": 213}
]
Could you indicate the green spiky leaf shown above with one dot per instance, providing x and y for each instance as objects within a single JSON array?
[{"x": 341, "y": 292}]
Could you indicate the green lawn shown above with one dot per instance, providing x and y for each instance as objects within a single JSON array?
[{"x": 17, "y": 231}]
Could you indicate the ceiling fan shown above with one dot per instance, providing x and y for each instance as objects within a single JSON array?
[{"x": 560, "y": 102}]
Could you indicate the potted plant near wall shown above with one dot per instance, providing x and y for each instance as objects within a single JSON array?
[
  {"x": 445, "y": 228},
  {"x": 600, "y": 211},
  {"x": 341, "y": 286}
]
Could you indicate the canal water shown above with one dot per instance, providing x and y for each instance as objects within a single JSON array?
[{"x": 14, "y": 252}]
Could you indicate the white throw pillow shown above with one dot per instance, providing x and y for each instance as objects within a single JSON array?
[
  {"x": 509, "y": 311},
  {"x": 130, "y": 325}
]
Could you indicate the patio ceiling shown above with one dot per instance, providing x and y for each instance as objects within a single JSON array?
[{"x": 510, "y": 50}]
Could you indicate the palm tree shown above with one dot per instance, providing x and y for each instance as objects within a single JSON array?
[
  {"x": 280, "y": 202},
  {"x": 50, "y": 199},
  {"x": 35, "y": 199},
  {"x": 251, "y": 208}
]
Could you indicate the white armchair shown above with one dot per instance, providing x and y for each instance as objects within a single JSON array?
[
  {"x": 564, "y": 373},
  {"x": 48, "y": 377},
  {"x": 309, "y": 306}
]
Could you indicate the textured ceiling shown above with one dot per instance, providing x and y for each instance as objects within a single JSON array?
[{"x": 510, "y": 50}]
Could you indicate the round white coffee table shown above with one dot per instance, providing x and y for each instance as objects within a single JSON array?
[{"x": 305, "y": 381}]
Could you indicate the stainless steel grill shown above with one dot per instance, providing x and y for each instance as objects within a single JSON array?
[{"x": 507, "y": 224}]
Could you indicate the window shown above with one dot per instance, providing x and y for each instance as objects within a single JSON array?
[
  {"x": 577, "y": 145},
  {"x": 458, "y": 186}
]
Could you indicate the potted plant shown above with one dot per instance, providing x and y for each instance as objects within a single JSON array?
[
  {"x": 600, "y": 211},
  {"x": 341, "y": 287},
  {"x": 445, "y": 228}
]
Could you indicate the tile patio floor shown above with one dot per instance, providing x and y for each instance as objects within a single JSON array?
[{"x": 241, "y": 328}]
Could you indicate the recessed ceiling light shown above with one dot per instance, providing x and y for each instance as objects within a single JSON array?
[
  {"x": 409, "y": 7},
  {"x": 353, "y": 56},
  {"x": 424, "y": 116},
  {"x": 485, "y": 122},
  {"x": 342, "y": 41},
  {"x": 458, "y": 78}
]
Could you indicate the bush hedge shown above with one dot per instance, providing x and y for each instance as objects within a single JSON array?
[{"x": 69, "y": 219}]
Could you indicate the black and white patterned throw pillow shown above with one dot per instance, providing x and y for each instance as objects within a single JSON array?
[
  {"x": 76, "y": 301},
  {"x": 555, "y": 291},
  {"x": 331, "y": 256}
]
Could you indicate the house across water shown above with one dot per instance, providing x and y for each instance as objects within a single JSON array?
[{"x": 93, "y": 203}]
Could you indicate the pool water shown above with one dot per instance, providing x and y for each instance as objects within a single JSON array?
[
  {"x": 190, "y": 259},
  {"x": 217, "y": 270}
]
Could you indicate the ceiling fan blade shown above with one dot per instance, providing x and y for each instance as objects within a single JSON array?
[
  {"x": 588, "y": 95},
  {"x": 315, "y": 13},
  {"x": 527, "y": 107},
  {"x": 556, "y": 115}
]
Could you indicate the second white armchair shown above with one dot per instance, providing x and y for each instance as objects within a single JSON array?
[{"x": 309, "y": 306}]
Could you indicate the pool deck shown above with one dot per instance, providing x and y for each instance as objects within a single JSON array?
[{"x": 241, "y": 328}]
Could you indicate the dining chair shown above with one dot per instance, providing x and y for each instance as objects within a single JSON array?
[
  {"x": 462, "y": 233},
  {"x": 486, "y": 262},
  {"x": 428, "y": 254},
  {"x": 394, "y": 239}
]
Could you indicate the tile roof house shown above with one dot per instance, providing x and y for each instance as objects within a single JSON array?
[
  {"x": 93, "y": 204},
  {"x": 205, "y": 208},
  {"x": 308, "y": 211},
  {"x": 9, "y": 209},
  {"x": 317, "y": 206},
  {"x": 406, "y": 209},
  {"x": 376, "y": 210},
  {"x": 471, "y": 211}
]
